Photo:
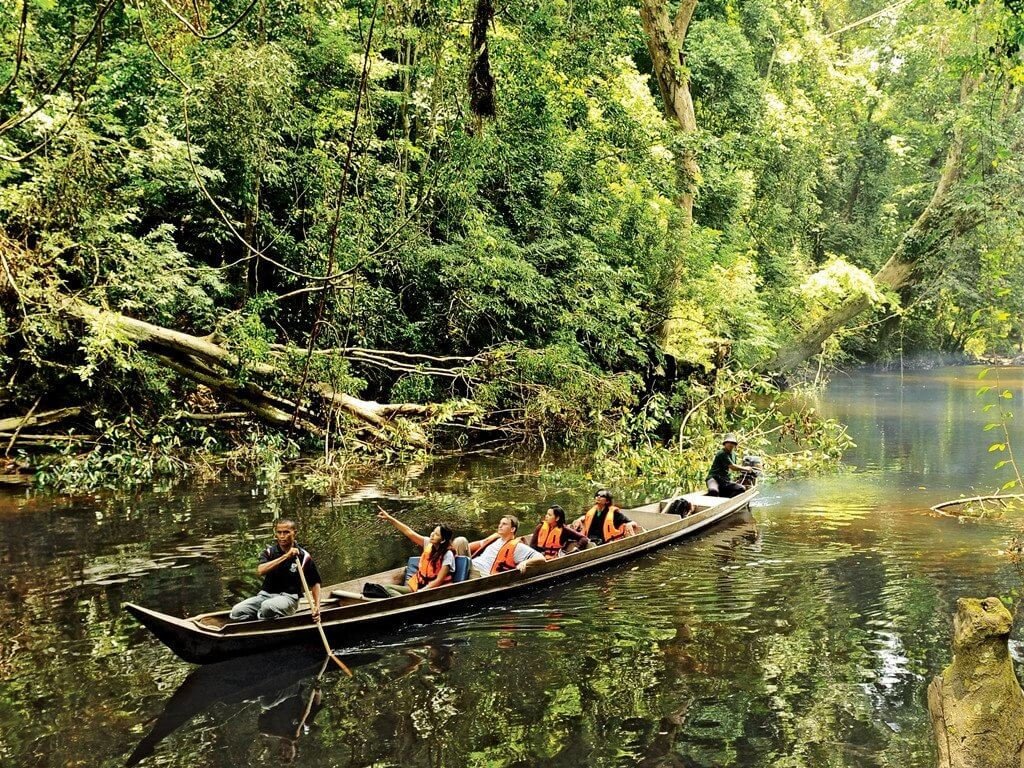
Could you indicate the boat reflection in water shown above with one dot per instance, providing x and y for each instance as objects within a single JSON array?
[{"x": 285, "y": 683}]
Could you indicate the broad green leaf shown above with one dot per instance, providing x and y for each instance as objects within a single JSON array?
[
  {"x": 1009, "y": 484},
  {"x": 1001, "y": 464},
  {"x": 1006, "y": 394},
  {"x": 992, "y": 425},
  {"x": 983, "y": 373},
  {"x": 987, "y": 408},
  {"x": 997, "y": 447},
  {"x": 982, "y": 390}
]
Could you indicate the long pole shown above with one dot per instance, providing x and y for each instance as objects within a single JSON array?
[{"x": 316, "y": 620}]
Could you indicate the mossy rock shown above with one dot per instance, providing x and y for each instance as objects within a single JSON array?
[{"x": 976, "y": 704}]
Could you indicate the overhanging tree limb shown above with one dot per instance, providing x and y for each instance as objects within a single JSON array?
[{"x": 899, "y": 273}]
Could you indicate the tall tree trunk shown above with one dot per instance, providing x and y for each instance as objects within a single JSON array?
[
  {"x": 666, "y": 38},
  {"x": 899, "y": 273},
  {"x": 481, "y": 81}
]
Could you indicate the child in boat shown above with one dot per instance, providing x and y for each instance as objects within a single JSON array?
[
  {"x": 437, "y": 563},
  {"x": 551, "y": 538}
]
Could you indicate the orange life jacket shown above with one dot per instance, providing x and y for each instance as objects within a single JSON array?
[
  {"x": 427, "y": 571},
  {"x": 549, "y": 540},
  {"x": 609, "y": 532},
  {"x": 505, "y": 561}
]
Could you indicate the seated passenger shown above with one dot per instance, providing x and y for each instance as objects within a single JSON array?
[
  {"x": 605, "y": 522},
  {"x": 501, "y": 551},
  {"x": 437, "y": 563},
  {"x": 551, "y": 538},
  {"x": 720, "y": 482}
]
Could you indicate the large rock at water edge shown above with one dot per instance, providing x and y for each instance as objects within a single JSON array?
[{"x": 976, "y": 704}]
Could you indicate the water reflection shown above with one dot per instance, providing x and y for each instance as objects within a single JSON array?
[
  {"x": 804, "y": 639},
  {"x": 287, "y": 685}
]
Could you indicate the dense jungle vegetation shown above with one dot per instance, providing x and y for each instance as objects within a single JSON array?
[{"x": 256, "y": 228}]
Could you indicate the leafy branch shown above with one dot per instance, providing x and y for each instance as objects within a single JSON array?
[{"x": 1002, "y": 424}]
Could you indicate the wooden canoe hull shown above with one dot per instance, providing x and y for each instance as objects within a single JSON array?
[{"x": 350, "y": 624}]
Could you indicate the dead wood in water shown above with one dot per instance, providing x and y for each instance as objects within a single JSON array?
[
  {"x": 1001, "y": 499},
  {"x": 30, "y": 419}
]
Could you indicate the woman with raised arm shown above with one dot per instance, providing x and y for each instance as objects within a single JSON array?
[{"x": 437, "y": 562}]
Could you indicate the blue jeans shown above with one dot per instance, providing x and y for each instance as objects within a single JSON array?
[{"x": 265, "y": 605}]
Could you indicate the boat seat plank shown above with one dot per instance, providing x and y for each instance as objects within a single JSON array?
[{"x": 703, "y": 501}]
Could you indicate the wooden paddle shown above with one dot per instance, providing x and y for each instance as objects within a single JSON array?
[
  {"x": 316, "y": 620},
  {"x": 312, "y": 696}
]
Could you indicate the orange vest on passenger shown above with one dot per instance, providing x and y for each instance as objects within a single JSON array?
[
  {"x": 505, "y": 561},
  {"x": 427, "y": 571},
  {"x": 609, "y": 532},
  {"x": 549, "y": 540}
]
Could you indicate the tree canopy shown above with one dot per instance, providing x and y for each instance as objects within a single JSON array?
[{"x": 528, "y": 217}]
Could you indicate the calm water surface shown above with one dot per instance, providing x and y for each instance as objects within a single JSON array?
[{"x": 804, "y": 636}]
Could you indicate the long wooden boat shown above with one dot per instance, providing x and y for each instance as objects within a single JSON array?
[{"x": 212, "y": 637}]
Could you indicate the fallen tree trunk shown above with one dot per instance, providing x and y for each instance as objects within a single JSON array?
[
  {"x": 265, "y": 406},
  {"x": 38, "y": 419},
  {"x": 209, "y": 417},
  {"x": 202, "y": 360}
]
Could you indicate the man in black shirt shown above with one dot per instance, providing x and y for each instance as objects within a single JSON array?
[
  {"x": 719, "y": 480},
  {"x": 282, "y": 585},
  {"x": 604, "y": 522}
]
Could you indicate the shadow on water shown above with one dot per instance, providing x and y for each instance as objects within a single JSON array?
[
  {"x": 804, "y": 640},
  {"x": 287, "y": 684}
]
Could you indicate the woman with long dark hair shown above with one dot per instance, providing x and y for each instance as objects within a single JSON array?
[
  {"x": 552, "y": 539},
  {"x": 437, "y": 562}
]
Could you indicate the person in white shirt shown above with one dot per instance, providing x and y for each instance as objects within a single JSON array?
[{"x": 501, "y": 551}]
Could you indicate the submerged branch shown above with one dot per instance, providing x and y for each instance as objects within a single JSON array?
[{"x": 995, "y": 497}]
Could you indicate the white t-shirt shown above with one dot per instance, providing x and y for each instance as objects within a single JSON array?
[
  {"x": 448, "y": 559},
  {"x": 485, "y": 560}
]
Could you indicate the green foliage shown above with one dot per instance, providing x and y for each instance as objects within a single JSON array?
[
  {"x": 553, "y": 392},
  {"x": 208, "y": 186},
  {"x": 1001, "y": 416}
]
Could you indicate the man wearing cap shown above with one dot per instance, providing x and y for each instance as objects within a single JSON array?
[{"x": 719, "y": 481}]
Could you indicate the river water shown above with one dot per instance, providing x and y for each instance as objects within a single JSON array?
[{"x": 804, "y": 636}]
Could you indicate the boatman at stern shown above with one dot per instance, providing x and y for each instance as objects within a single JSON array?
[
  {"x": 719, "y": 481},
  {"x": 282, "y": 585}
]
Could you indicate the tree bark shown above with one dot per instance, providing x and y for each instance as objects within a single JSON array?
[
  {"x": 38, "y": 419},
  {"x": 666, "y": 38},
  {"x": 976, "y": 704}
]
